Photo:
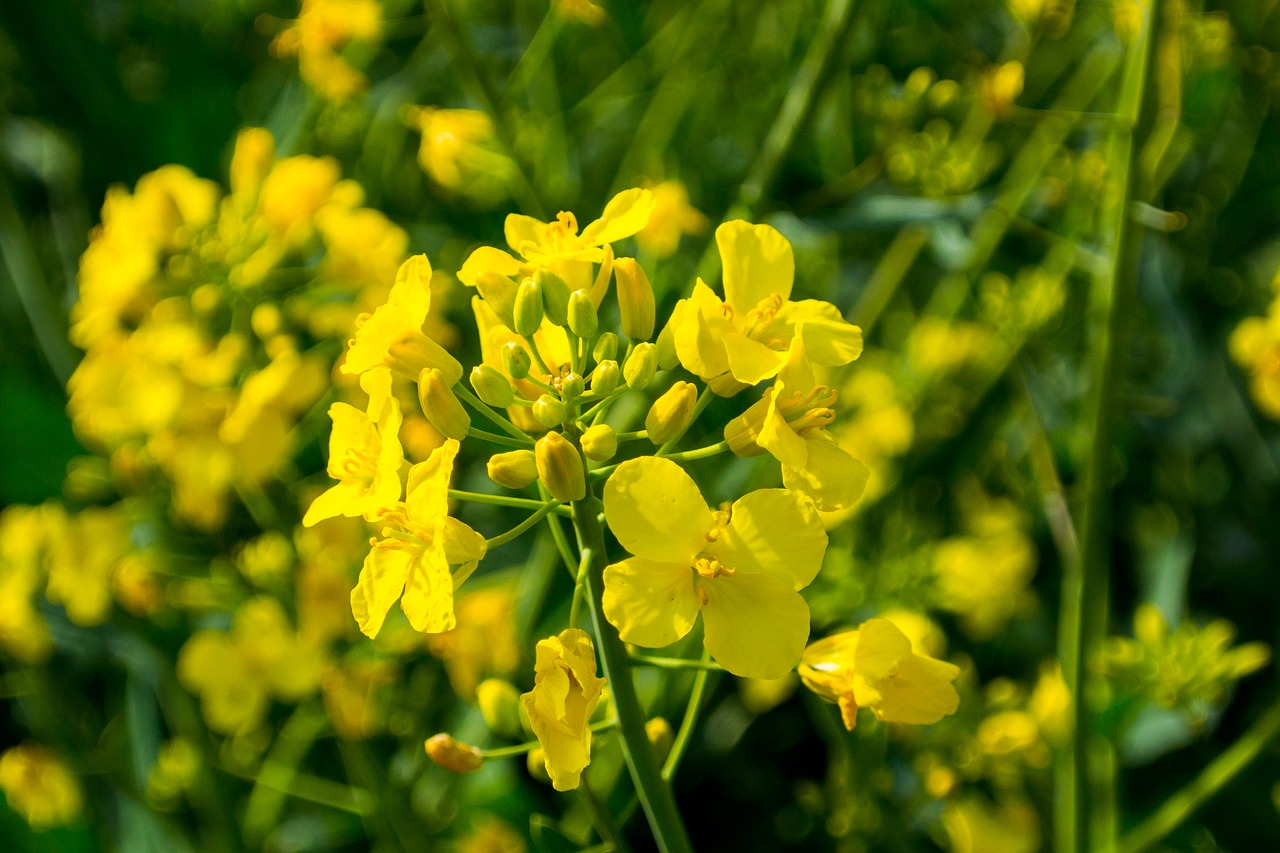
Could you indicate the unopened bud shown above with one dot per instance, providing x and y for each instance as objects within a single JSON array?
[
  {"x": 499, "y": 703},
  {"x": 641, "y": 367},
  {"x": 499, "y": 292},
  {"x": 671, "y": 413},
  {"x": 606, "y": 347},
  {"x": 582, "y": 314},
  {"x": 441, "y": 407},
  {"x": 528, "y": 308},
  {"x": 514, "y": 469},
  {"x": 742, "y": 436},
  {"x": 560, "y": 467},
  {"x": 571, "y": 386},
  {"x": 549, "y": 411},
  {"x": 555, "y": 295},
  {"x": 515, "y": 360},
  {"x": 605, "y": 378},
  {"x": 537, "y": 764},
  {"x": 668, "y": 357},
  {"x": 599, "y": 442},
  {"x": 491, "y": 386},
  {"x": 635, "y": 299},
  {"x": 453, "y": 754},
  {"x": 660, "y": 737}
]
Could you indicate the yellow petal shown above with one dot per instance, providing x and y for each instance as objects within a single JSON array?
[
  {"x": 699, "y": 333},
  {"x": 756, "y": 625},
  {"x": 411, "y": 292},
  {"x": 488, "y": 258},
  {"x": 830, "y": 341},
  {"x": 831, "y": 477},
  {"x": 750, "y": 361},
  {"x": 777, "y": 436},
  {"x": 757, "y": 264},
  {"x": 427, "y": 493},
  {"x": 881, "y": 650},
  {"x": 774, "y": 532},
  {"x": 651, "y": 604},
  {"x": 462, "y": 545},
  {"x": 920, "y": 693},
  {"x": 520, "y": 229},
  {"x": 656, "y": 510},
  {"x": 345, "y": 498},
  {"x": 428, "y": 591},
  {"x": 624, "y": 215},
  {"x": 382, "y": 579}
]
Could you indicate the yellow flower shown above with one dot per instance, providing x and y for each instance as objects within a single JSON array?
[
  {"x": 564, "y": 696},
  {"x": 83, "y": 557},
  {"x": 790, "y": 422},
  {"x": 364, "y": 455},
  {"x": 411, "y": 562},
  {"x": 741, "y": 567},
  {"x": 558, "y": 246},
  {"x": 23, "y": 534},
  {"x": 483, "y": 643},
  {"x": 1255, "y": 346},
  {"x": 39, "y": 786},
  {"x": 672, "y": 218},
  {"x": 874, "y": 667},
  {"x": 322, "y": 28},
  {"x": 976, "y": 825},
  {"x": 458, "y": 150},
  {"x": 552, "y": 344},
  {"x": 392, "y": 335},
  {"x": 984, "y": 577},
  {"x": 743, "y": 339}
]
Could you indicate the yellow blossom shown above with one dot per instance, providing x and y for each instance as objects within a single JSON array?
[
  {"x": 564, "y": 696},
  {"x": 1255, "y": 346},
  {"x": 874, "y": 667},
  {"x": 484, "y": 642},
  {"x": 84, "y": 554},
  {"x": 459, "y": 150},
  {"x": 39, "y": 786},
  {"x": 23, "y": 536},
  {"x": 741, "y": 567},
  {"x": 672, "y": 217},
  {"x": 317, "y": 36}
]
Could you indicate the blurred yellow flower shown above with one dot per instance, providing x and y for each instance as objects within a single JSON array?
[
  {"x": 975, "y": 825},
  {"x": 741, "y": 567},
  {"x": 323, "y": 27},
  {"x": 484, "y": 643},
  {"x": 85, "y": 550},
  {"x": 353, "y": 696},
  {"x": 586, "y": 11},
  {"x": 23, "y": 539},
  {"x": 39, "y": 786},
  {"x": 459, "y": 151},
  {"x": 672, "y": 218},
  {"x": 564, "y": 696},
  {"x": 1255, "y": 346}
]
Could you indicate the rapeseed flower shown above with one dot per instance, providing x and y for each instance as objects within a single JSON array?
[
  {"x": 564, "y": 696},
  {"x": 322, "y": 29},
  {"x": 459, "y": 150},
  {"x": 39, "y": 786},
  {"x": 672, "y": 217}
]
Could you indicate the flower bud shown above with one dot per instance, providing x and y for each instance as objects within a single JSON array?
[
  {"x": 499, "y": 703},
  {"x": 453, "y": 754},
  {"x": 515, "y": 360},
  {"x": 671, "y": 413},
  {"x": 500, "y": 294},
  {"x": 582, "y": 314},
  {"x": 635, "y": 299},
  {"x": 528, "y": 308},
  {"x": 549, "y": 411},
  {"x": 605, "y": 378},
  {"x": 491, "y": 386},
  {"x": 441, "y": 407},
  {"x": 660, "y": 737},
  {"x": 514, "y": 469},
  {"x": 641, "y": 367},
  {"x": 560, "y": 467},
  {"x": 599, "y": 442},
  {"x": 606, "y": 347},
  {"x": 668, "y": 357},
  {"x": 555, "y": 295},
  {"x": 571, "y": 386}
]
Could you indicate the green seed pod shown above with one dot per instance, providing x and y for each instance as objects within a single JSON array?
[
  {"x": 635, "y": 299},
  {"x": 671, "y": 413},
  {"x": 528, "y": 309},
  {"x": 668, "y": 358},
  {"x": 441, "y": 407},
  {"x": 571, "y": 387},
  {"x": 582, "y": 314},
  {"x": 606, "y": 347},
  {"x": 499, "y": 703},
  {"x": 500, "y": 294},
  {"x": 549, "y": 411},
  {"x": 515, "y": 359},
  {"x": 641, "y": 367},
  {"x": 605, "y": 378},
  {"x": 560, "y": 467},
  {"x": 555, "y": 295},
  {"x": 491, "y": 386},
  {"x": 600, "y": 443},
  {"x": 514, "y": 469}
]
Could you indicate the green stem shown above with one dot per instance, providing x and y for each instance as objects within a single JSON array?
[
  {"x": 688, "y": 723},
  {"x": 504, "y": 500},
  {"x": 652, "y": 790},
  {"x": 676, "y": 663},
  {"x": 537, "y": 359},
  {"x": 699, "y": 453},
  {"x": 485, "y": 409},
  {"x": 579, "y": 589},
  {"x": 600, "y": 819},
  {"x": 515, "y": 532},
  {"x": 522, "y": 443}
]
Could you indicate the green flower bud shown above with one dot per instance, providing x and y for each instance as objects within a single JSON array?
[
  {"x": 667, "y": 355},
  {"x": 606, "y": 347},
  {"x": 528, "y": 309},
  {"x": 560, "y": 467},
  {"x": 635, "y": 299},
  {"x": 555, "y": 295},
  {"x": 499, "y": 703},
  {"x": 605, "y": 378},
  {"x": 500, "y": 294},
  {"x": 571, "y": 387},
  {"x": 582, "y": 314},
  {"x": 514, "y": 469},
  {"x": 641, "y": 367},
  {"x": 549, "y": 411},
  {"x": 515, "y": 359},
  {"x": 491, "y": 386},
  {"x": 441, "y": 407},
  {"x": 599, "y": 442},
  {"x": 660, "y": 737},
  {"x": 671, "y": 413}
]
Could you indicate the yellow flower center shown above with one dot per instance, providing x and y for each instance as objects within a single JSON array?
[{"x": 806, "y": 412}]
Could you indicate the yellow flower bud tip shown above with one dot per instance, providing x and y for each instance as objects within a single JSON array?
[
  {"x": 528, "y": 308},
  {"x": 641, "y": 367},
  {"x": 582, "y": 314},
  {"x": 555, "y": 295},
  {"x": 560, "y": 467},
  {"x": 671, "y": 413},
  {"x": 499, "y": 703},
  {"x": 491, "y": 386},
  {"x": 660, "y": 737},
  {"x": 635, "y": 299},
  {"x": 515, "y": 360},
  {"x": 549, "y": 411},
  {"x": 605, "y": 378},
  {"x": 600, "y": 442},
  {"x": 514, "y": 469},
  {"x": 668, "y": 356},
  {"x": 571, "y": 386},
  {"x": 441, "y": 407},
  {"x": 606, "y": 348},
  {"x": 453, "y": 754}
]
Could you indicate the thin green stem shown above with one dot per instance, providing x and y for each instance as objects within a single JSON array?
[
  {"x": 600, "y": 819},
  {"x": 515, "y": 532},
  {"x": 700, "y": 452},
  {"x": 485, "y": 409},
  {"x": 632, "y": 436},
  {"x": 500, "y": 440},
  {"x": 557, "y": 536},
  {"x": 676, "y": 663},
  {"x": 579, "y": 589},
  {"x": 506, "y": 500},
  {"x": 688, "y": 723}
]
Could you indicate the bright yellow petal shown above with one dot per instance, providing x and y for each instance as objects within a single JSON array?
[
  {"x": 462, "y": 544},
  {"x": 699, "y": 333},
  {"x": 381, "y": 581},
  {"x": 777, "y": 436},
  {"x": 920, "y": 693},
  {"x": 656, "y": 510},
  {"x": 774, "y": 532},
  {"x": 830, "y": 341},
  {"x": 624, "y": 215},
  {"x": 345, "y": 498},
  {"x": 651, "y": 604},
  {"x": 756, "y": 625},
  {"x": 758, "y": 263},
  {"x": 520, "y": 229},
  {"x": 750, "y": 361},
  {"x": 428, "y": 591},
  {"x": 490, "y": 259},
  {"x": 831, "y": 477},
  {"x": 882, "y": 648},
  {"x": 427, "y": 493},
  {"x": 411, "y": 292}
]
